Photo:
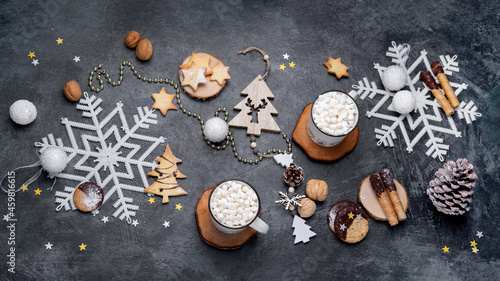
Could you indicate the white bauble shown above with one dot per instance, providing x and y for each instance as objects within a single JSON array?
[
  {"x": 216, "y": 129},
  {"x": 23, "y": 112},
  {"x": 394, "y": 78},
  {"x": 53, "y": 160},
  {"x": 403, "y": 102}
]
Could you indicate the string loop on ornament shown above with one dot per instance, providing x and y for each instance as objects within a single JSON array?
[
  {"x": 266, "y": 58},
  {"x": 29, "y": 181}
]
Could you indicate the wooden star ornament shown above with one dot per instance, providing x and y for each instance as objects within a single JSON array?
[
  {"x": 163, "y": 101},
  {"x": 336, "y": 67}
]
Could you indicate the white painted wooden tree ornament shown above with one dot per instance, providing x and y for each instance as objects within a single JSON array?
[{"x": 256, "y": 109}]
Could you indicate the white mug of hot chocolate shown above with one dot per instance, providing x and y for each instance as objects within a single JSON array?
[
  {"x": 234, "y": 205},
  {"x": 334, "y": 115}
]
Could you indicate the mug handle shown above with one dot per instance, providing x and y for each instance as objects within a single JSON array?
[{"x": 259, "y": 225}]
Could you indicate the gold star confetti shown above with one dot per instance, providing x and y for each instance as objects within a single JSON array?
[
  {"x": 473, "y": 243},
  {"x": 282, "y": 66},
  {"x": 475, "y": 250},
  {"x": 151, "y": 200},
  {"x": 351, "y": 215},
  {"x": 82, "y": 247},
  {"x": 178, "y": 206},
  {"x": 38, "y": 191},
  {"x": 59, "y": 41},
  {"x": 25, "y": 187},
  {"x": 292, "y": 65},
  {"x": 446, "y": 249},
  {"x": 336, "y": 67},
  {"x": 31, "y": 55},
  {"x": 163, "y": 101},
  {"x": 220, "y": 73}
]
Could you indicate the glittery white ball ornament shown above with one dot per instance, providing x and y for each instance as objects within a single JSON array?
[
  {"x": 394, "y": 78},
  {"x": 23, "y": 112},
  {"x": 216, "y": 129},
  {"x": 403, "y": 102},
  {"x": 53, "y": 160}
]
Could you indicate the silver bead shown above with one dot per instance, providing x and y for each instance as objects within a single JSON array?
[
  {"x": 150, "y": 80},
  {"x": 118, "y": 83}
]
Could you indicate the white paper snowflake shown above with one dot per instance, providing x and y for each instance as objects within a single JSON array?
[
  {"x": 105, "y": 155},
  {"x": 427, "y": 119}
]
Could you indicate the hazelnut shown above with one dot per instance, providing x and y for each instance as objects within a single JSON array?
[
  {"x": 144, "y": 49},
  {"x": 317, "y": 190},
  {"x": 307, "y": 209},
  {"x": 132, "y": 39},
  {"x": 72, "y": 90}
]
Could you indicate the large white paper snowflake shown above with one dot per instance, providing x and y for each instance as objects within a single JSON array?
[
  {"x": 106, "y": 156},
  {"x": 427, "y": 119}
]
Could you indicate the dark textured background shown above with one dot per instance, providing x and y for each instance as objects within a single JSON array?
[{"x": 357, "y": 31}]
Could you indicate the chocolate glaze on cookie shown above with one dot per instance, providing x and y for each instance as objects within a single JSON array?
[
  {"x": 437, "y": 68},
  {"x": 387, "y": 180},
  {"x": 377, "y": 185},
  {"x": 427, "y": 78},
  {"x": 343, "y": 222}
]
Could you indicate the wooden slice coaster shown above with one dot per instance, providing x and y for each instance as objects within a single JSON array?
[
  {"x": 206, "y": 90},
  {"x": 370, "y": 202},
  {"x": 318, "y": 152},
  {"x": 211, "y": 235}
]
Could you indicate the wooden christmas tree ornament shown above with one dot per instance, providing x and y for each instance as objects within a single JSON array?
[
  {"x": 256, "y": 109},
  {"x": 166, "y": 173}
]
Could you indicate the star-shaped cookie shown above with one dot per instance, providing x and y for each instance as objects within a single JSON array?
[
  {"x": 220, "y": 73},
  {"x": 336, "y": 67},
  {"x": 193, "y": 76},
  {"x": 163, "y": 101},
  {"x": 200, "y": 62}
]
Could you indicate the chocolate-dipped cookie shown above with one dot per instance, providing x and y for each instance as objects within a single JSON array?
[
  {"x": 88, "y": 197},
  {"x": 335, "y": 208},
  {"x": 348, "y": 221}
]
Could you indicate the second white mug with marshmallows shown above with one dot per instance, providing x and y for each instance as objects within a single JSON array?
[
  {"x": 334, "y": 115},
  {"x": 233, "y": 206}
]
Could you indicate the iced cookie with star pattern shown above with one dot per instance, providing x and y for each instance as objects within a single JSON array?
[{"x": 348, "y": 221}]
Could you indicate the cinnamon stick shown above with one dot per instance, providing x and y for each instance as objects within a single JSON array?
[
  {"x": 384, "y": 200},
  {"x": 389, "y": 185}
]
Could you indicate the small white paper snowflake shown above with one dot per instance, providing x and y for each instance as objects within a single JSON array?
[
  {"x": 428, "y": 118},
  {"x": 106, "y": 155}
]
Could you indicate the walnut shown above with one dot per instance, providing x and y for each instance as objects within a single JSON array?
[
  {"x": 317, "y": 190},
  {"x": 308, "y": 207},
  {"x": 144, "y": 49},
  {"x": 132, "y": 39},
  {"x": 72, "y": 90}
]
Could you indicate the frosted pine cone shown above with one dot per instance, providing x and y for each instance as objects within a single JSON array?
[
  {"x": 451, "y": 190},
  {"x": 294, "y": 175}
]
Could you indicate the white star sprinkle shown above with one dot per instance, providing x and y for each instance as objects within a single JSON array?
[
  {"x": 166, "y": 224},
  {"x": 359, "y": 216},
  {"x": 48, "y": 246},
  {"x": 479, "y": 234},
  {"x": 286, "y": 56},
  {"x": 35, "y": 62},
  {"x": 105, "y": 219},
  {"x": 342, "y": 227},
  {"x": 135, "y": 222},
  {"x": 76, "y": 59}
]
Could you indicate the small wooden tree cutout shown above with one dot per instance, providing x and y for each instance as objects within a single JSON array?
[
  {"x": 166, "y": 173},
  {"x": 256, "y": 110}
]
